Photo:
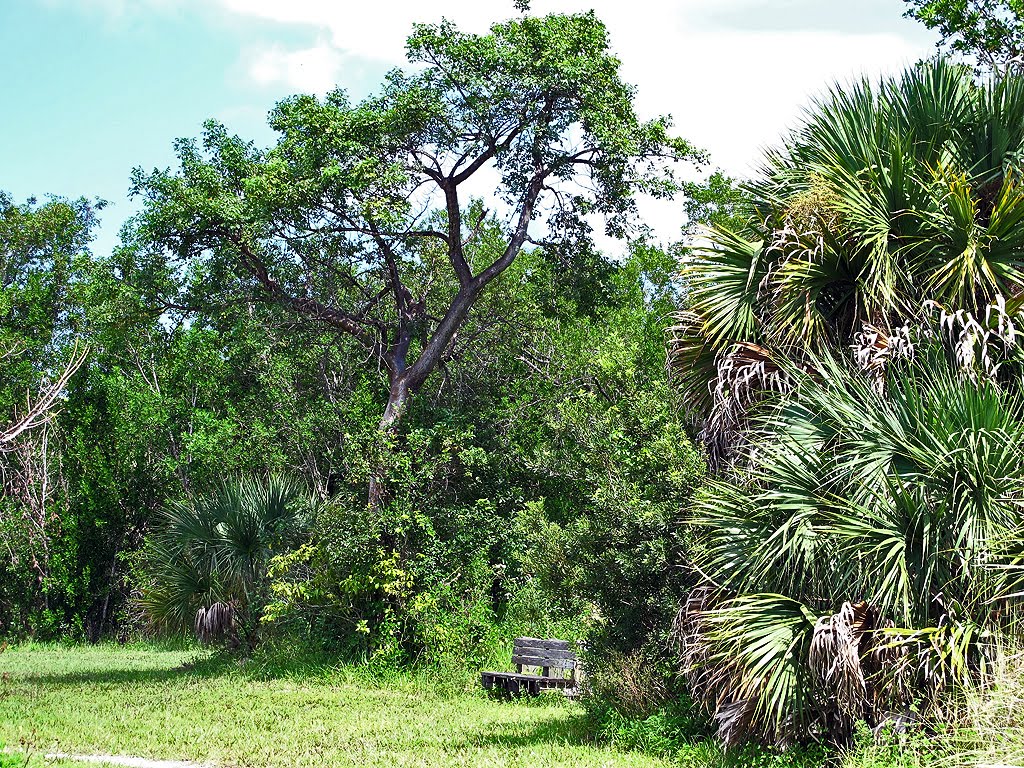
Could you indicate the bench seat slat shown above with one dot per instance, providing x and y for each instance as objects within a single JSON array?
[
  {"x": 550, "y": 682},
  {"x": 545, "y": 653},
  {"x": 544, "y": 661},
  {"x": 536, "y": 642}
]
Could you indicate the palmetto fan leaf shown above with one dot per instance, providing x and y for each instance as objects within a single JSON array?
[
  {"x": 176, "y": 585},
  {"x": 745, "y": 655},
  {"x": 723, "y": 282},
  {"x": 996, "y": 130},
  {"x": 887, "y": 197},
  {"x": 213, "y": 549}
]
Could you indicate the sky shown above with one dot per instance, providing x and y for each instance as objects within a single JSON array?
[{"x": 95, "y": 88}]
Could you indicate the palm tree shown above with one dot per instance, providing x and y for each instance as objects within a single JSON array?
[
  {"x": 206, "y": 568},
  {"x": 887, "y": 197},
  {"x": 866, "y": 552},
  {"x": 862, "y": 544}
]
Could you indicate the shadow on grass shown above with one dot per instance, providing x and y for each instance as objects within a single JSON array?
[
  {"x": 571, "y": 730},
  {"x": 217, "y": 665},
  {"x": 261, "y": 666}
]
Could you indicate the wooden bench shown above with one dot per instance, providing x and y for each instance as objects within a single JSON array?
[{"x": 553, "y": 658}]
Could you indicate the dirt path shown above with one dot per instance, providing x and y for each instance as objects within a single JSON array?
[{"x": 133, "y": 762}]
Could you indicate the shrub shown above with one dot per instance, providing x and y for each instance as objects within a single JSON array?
[
  {"x": 632, "y": 684},
  {"x": 206, "y": 568},
  {"x": 865, "y": 554}
]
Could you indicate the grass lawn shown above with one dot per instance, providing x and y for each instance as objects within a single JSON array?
[{"x": 181, "y": 705}]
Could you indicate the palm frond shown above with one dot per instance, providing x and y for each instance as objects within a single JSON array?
[{"x": 207, "y": 563}]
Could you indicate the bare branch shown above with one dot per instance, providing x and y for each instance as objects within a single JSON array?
[{"x": 40, "y": 412}]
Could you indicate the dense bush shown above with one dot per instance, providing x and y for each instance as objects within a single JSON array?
[
  {"x": 547, "y": 505},
  {"x": 537, "y": 487},
  {"x": 866, "y": 553},
  {"x": 862, "y": 544}
]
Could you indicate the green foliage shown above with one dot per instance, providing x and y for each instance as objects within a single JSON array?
[
  {"x": 259, "y": 314},
  {"x": 10, "y": 760},
  {"x": 991, "y": 32},
  {"x": 214, "y": 550},
  {"x": 491, "y": 458},
  {"x": 910, "y": 749},
  {"x": 903, "y": 496},
  {"x": 43, "y": 257},
  {"x": 675, "y": 730},
  {"x": 718, "y": 201},
  {"x": 800, "y": 757},
  {"x": 546, "y": 503},
  {"x": 41, "y": 252},
  {"x": 353, "y": 223}
]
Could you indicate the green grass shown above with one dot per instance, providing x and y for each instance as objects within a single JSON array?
[{"x": 175, "y": 704}]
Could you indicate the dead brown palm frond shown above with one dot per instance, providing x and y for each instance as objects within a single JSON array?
[
  {"x": 874, "y": 349},
  {"x": 712, "y": 679},
  {"x": 978, "y": 345},
  {"x": 835, "y": 658},
  {"x": 687, "y": 628},
  {"x": 745, "y": 375},
  {"x": 691, "y": 361},
  {"x": 216, "y": 623}
]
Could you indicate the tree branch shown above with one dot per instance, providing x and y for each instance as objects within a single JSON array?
[{"x": 360, "y": 328}]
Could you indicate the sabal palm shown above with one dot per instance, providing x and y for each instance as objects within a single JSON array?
[
  {"x": 214, "y": 548},
  {"x": 865, "y": 551},
  {"x": 886, "y": 197}
]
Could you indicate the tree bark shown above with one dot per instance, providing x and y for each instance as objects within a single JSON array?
[{"x": 398, "y": 401}]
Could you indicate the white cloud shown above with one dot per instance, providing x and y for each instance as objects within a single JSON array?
[
  {"x": 735, "y": 93},
  {"x": 310, "y": 70},
  {"x": 367, "y": 29},
  {"x": 730, "y": 91}
]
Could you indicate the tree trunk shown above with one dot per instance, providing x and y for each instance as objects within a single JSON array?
[{"x": 398, "y": 401}]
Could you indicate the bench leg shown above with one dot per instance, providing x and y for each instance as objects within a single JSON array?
[{"x": 512, "y": 686}]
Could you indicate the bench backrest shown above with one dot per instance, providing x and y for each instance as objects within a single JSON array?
[{"x": 553, "y": 657}]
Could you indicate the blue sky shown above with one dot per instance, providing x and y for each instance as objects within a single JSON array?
[{"x": 96, "y": 87}]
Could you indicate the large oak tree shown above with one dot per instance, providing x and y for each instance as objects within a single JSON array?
[{"x": 387, "y": 219}]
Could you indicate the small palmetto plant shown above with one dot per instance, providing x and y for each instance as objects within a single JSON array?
[
  {"x": 206, "y": 566},
  {"x": 864, "y": 553}
]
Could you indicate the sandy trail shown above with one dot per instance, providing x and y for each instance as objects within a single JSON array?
[{"x": 134, "y": 762}]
